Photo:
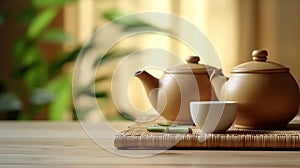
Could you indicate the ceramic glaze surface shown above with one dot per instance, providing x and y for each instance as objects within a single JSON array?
[
  {"x": 178, "y": 87},
  {"x": 213, "y": 116},
  {"x": 267, "y": 94}
]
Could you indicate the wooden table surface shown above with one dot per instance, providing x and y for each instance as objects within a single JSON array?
[{"x": 54, "y": 144}]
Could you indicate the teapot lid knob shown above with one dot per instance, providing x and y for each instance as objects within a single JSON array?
[
  {"x": 192, "y": 59},
  {"x": 259, "y": 55}
]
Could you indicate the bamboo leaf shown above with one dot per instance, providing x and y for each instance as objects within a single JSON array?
[
  {"x": 64, "y": 58},
  {"x": 128, "y": 23},
  {"x": 41, "y": 21},
  {"x": 27, "y": 15},
  {"x": 99, "y": 94},
  {"x": 112, "y": 14},
  {"x": 112, "y": 55},
  {"x": 22, "y": 70},
  {"x": 36, "y": 76},
  {"x": 28, "y": 59},
  {"x": 56, "y": 36},
  {"x": 63, "y": 94},
  {"x": 127, "y": 116},
  {"x": 31, "y": 54},
  {"x": 22, "y": 44},
  {"x": 46, "y": 3}
]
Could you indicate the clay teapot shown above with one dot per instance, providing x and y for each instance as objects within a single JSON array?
[
  {"x": 172, "y": 93},
  {"x": 267, "y": 94}
]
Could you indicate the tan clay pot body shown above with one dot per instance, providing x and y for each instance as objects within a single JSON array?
[
  {"x": 267, "y": 94},
  {"x": 173, "y": 92}
]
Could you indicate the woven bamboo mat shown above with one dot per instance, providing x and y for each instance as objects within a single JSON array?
[{"x": 137, "y": 137}]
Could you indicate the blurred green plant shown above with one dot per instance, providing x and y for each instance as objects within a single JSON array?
[
  {"x": 38, "y": 84},
  {"x": 35, "y": 83}
]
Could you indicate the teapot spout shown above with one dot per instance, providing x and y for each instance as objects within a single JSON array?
[
  {"x": 218, "y": 81},
  {"x": 151, "y": 85}
]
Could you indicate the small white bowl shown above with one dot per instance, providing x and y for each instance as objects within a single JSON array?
[{"x": 213, "y": 116}]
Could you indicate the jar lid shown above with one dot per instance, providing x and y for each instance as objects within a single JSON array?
[
  {"x": 192, "y": 66},
  {"x": 259, "y": 64}
]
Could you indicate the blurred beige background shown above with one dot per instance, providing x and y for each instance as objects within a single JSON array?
[{"x": 234, "y": 27}]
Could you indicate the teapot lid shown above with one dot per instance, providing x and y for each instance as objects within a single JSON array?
[
  {"x": 192, "y": 66},
  {"x": 259, "y": 64}
]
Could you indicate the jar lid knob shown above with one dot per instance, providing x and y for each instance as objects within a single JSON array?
[
  {"x": 259, "y": 55},
  {"x": 192, "y": 59}
]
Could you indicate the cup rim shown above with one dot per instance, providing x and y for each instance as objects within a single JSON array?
[{"x": 213, "y": 102}]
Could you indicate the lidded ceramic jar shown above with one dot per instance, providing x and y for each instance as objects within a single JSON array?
[{"x": 267, "y": 94}]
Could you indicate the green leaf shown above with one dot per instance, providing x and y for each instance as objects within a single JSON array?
[
  {"x": 27, "y": 15},
  {"x": 32, "y": 54},
  {"x": 36, "y": 76},
  {"x": 22, "y": 70},
  {"x": 99, "y": 94},
  {"x": 29, "y": 59},
  {"x": 88, "y": 89},
  {"x": 128, "y": 23},
  {"x": 31, "y": 67},
  {"x": 20, "y": 47},
  {"x": 56, "y": 36},
  {"x": 61, "y": 60},
  {"x": 62, "y": 88},
  {"x": 112, "y": 14},
  {"x": 41, "y": 21},
  {"x": 112, "y": 55},
  {"x": 127, "y": 116},
  {"x": 46, "y": 3}
]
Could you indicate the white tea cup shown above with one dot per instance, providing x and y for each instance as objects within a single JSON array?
[{"x": 213, "y": 116}]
